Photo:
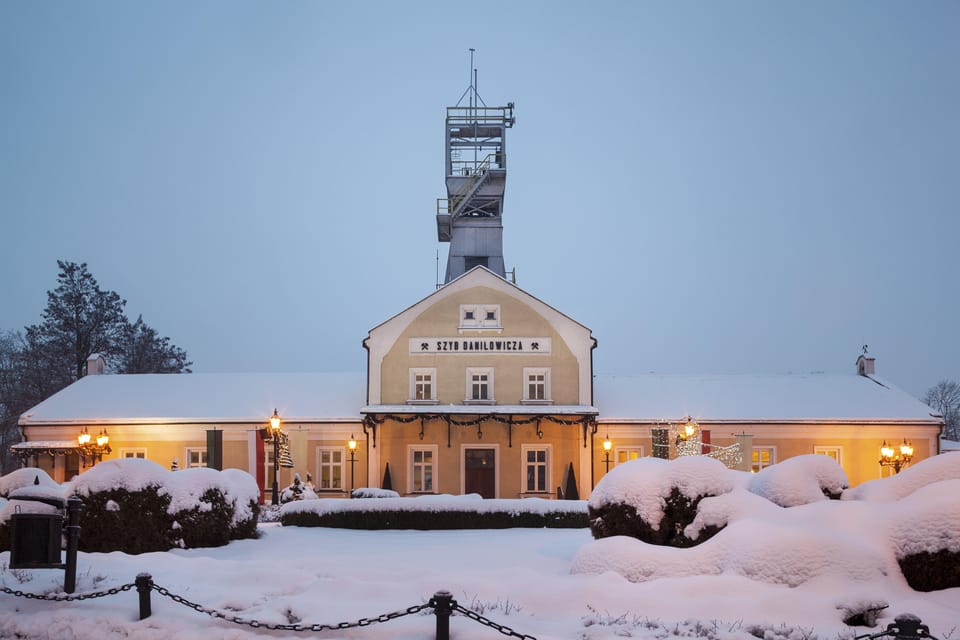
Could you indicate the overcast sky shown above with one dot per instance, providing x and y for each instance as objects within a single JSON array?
[{"x": 710, "y": 187}]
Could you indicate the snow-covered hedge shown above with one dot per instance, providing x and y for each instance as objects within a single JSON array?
[
  {"x": 909, "y": 522},
  {"x": 137, "y": 506},
  {"x": 435, "y": 512},
  {"x": 800, "y": 480}
]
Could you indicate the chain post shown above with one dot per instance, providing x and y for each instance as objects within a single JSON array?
[
  {"x": 443, "y": 605},
  {"x": 907, "y": 626},
  {"x": 144, "y": 584},
  {"x": 74, "y": 509}
]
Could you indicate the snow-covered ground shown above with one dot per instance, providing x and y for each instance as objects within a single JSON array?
[{"x": 776, "y": 573}]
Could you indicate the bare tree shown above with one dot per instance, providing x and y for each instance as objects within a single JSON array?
[{"x": 944, "y": 397}]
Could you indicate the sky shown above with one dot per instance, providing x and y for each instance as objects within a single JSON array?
[
  {"x": 792, "y": 572},
  {"x": 740, "y": 187}
]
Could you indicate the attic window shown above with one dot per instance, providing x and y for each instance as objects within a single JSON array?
[{"x": 480, "y": 316}]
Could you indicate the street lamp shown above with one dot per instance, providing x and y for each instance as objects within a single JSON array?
[
  {"x": 896, "y": 459},
  {"x": 607, "y": 445},
  {"x": 90, "y": 450},
  {"x": 352, "y": 445},
  {"x": 275, "y": 430}
]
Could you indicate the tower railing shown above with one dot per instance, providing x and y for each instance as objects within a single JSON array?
[{"x": 475, "y": 172}]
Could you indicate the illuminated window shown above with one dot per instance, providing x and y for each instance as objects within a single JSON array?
[
  {"x": 626, "y": 454},
  {"x": 833, "y": 452},
  {"x": 133, "y": 453},
  {"x": 763, "y": 457}
]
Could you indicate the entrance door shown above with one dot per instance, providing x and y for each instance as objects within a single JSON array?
[{"x": 480, "y": 472}]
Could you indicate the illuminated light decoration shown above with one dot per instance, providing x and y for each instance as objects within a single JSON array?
[
  {"x": 93, "y": 451},
  {"x": 607, "y": 445},
  {"x": 896, "y": 459},
  {"x": 689, "y": 443}
]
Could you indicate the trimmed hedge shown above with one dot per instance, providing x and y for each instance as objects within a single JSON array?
[
  {"x": 927, "y": 571},
  {"x": 621, "y": 519},
  {"x": 429, "y": 520}
]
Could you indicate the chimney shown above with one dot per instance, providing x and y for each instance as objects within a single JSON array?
[
  {"x": 866, "y": 366},
  {"x": 96, "y": 365}
]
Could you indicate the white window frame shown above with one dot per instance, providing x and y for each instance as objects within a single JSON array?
[
  {"x": 832, "y": 451},
  {"x": 525, "y": 464},
  {"x": 474, "y": 371},
  {"x": 626, "y": 451},
  {"x": 528, "y": 372},
  {"x": 318, "y": 476},
  {"x": 434, "y": 451},
  {"x": 203, "y": 457},
  {"x": 759, "y": 466},
  {"x": 412, "y": 393},
  {"x": 480, "y": 316},
  {"x": 126, "y": 451}
]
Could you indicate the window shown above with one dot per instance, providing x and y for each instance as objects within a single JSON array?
[
  {"x": 834, "y": 452},
  {"x": 423, "y": 386},
  {"x": 626, "y": 454},
  {"x": 480, "y": 316},
  {"x": 536, "y": 385},
  {"x": 329, "y": 468},
  {"x": 763, "y": 457},
  {"x": 469, "y": 262},
  {"x": 133, "y": 453},
  {"x": 422, "y": 477},
  {"x": 196, "y": 457},
  {"x": 479, "y": 385},
  {"x": 536, "y": 467}
]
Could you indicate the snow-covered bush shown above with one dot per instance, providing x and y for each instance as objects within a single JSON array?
[
  {"x": 655, "y": 501},
  {"x": 373, "y": 492},
  {"x": 137, "y": 506},
  {"x": 435, "y": 512},
  {"x": 800, "y": 480},
  {"x": 925, "y": 533}
]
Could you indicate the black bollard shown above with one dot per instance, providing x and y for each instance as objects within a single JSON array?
[
  {"x": 907, "y": 626},
  {"x": 443, "y": 604},
  {"x": 74, "y": 509},
  {"x": 144, "y": 583}
]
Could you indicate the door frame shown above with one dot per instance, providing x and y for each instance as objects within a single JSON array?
[{"x": 496, "y": 466}]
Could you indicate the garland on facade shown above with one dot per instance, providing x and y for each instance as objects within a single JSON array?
[{"x": 494, "y": 417}]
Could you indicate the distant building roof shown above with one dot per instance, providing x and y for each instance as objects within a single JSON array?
[
  {"x": 815, "y": 397},
  {"x": 204, "y": 397}
]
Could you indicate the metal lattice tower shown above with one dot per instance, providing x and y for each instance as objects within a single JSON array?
[{"x": 470, "y": 217}]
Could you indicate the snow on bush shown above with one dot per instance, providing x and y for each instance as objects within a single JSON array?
[
  {"x": 759, "y": 550},
  {"x": 945, "y": 466},
  {"x": 928, "y": 520},
  {"x": 373, "y": 492},
  {"x": 25, "y": 477},
  {"x": 646, "y": 483},
  {"x": 437, "y": 504},
  {"x": 800, "y": 480}
]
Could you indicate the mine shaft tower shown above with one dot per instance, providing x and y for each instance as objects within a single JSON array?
[{"x": 470, "y": 217}]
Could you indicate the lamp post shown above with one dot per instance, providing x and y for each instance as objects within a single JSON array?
[
  {"x": 607, "y": 445},
  {"x": 275, "y": 431},
  {"x": 896, "y": 459},
  {"x": 352, "y": 445},
  {"x": 94, "y": 451}
]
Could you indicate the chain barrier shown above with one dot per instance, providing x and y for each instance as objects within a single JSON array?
[
  {"x": 505, "y": 630},
  {"x": 442, "y": 603},
  {"x": 256, "y": 624},
  {"x": 67, "y": 597}
]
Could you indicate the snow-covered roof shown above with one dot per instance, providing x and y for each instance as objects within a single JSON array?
[
  {"x": 204, "y": 397},
  {"x": 815, "y": 397}
]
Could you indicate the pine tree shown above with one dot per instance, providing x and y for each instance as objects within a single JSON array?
[
  {"x": 81, "y": 319},
  {"x": 144, "y": 351}
]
